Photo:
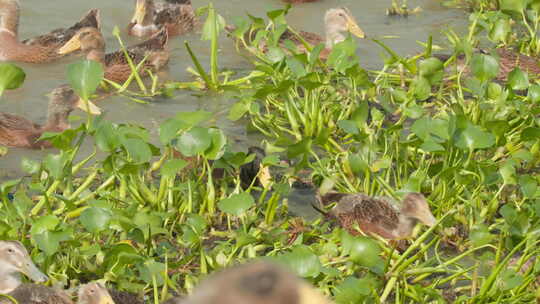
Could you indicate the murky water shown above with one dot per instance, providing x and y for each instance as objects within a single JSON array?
[{"x": 40, "y": 16}]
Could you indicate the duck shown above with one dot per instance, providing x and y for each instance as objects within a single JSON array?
[
  {"x": 17, "y": 131},
  {"x": 257, "y": 282},
  {"x": 508, "y": 60},
  {"x": 40, "y": 49},
  {"x": 94, "y": 293},
  {"x": 115, "y": 65},
  {"x": 359, "y": 213},
  {"x": 177, "y": 16},
  {"x": 14, "y": 261},
  {"x": 338, "y": 21}
]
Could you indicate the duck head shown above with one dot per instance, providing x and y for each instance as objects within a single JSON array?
[
  {"x": 338, "y": 22},
  {"x": 14, "y": 260},
  {"x": 94, "y": 293}
]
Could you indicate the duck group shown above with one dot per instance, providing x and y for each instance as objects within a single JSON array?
[{"x": 251, "y": 283}]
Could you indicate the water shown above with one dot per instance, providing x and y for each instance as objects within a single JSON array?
[{"x": 39, "y": 16}]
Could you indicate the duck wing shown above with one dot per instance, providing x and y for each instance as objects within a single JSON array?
[
  {"x": 60, "y": 36},
  {"x": 37, "y": 294},
  {"x": 311, "y": 38},
  {"x": 178, "y": 16},
  {"x": 122, "y": 297},
  {"x": 376, "y": 215}
]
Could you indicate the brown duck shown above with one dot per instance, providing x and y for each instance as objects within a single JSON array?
[
  {"x": 177, "y": 16},
  {"x": 115, "y": 64},
  {"x": 254, "y": 283},
  {"x": 16, "y": 131},
  {"x": 378, "y": 216},
  {"x": 39, "y": 49},
  {"x": 338, "y": 21}
]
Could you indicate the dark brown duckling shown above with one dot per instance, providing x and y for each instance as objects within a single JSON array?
[
  {"x": 254, "y": 283},
  {"x": 177, "y": 16},
  {"x": 377, "y": 215},
  {"x": 39, "y": 49},
  {"x": 16, "y": 131},
  {"x": 115, "y": 64}
]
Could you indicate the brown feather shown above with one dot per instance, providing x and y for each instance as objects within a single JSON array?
[{"x": 37, "y": 294}]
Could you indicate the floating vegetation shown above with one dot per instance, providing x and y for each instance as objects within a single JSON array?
[{"x": 154, "y": 216}]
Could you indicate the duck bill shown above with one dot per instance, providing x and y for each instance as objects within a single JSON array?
[
  {"x": 74, "y": 44},
  {"x": 308, "y": 295},
  {"x": 88, "y": 107},
  {"x": 429, "y": 220},
  {"x": 33, "y": 273},
  {"x": 354, "y": 28},
  {"x": 140, "y": 12}
]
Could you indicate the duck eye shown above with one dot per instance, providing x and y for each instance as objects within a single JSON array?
[{"x": 10, "y": 250}]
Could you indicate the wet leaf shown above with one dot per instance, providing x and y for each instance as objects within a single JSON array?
[
  {"x": 528, "y": 186},
  {"x": 473, "y": 137},
  {"x": 95, "y": 219},
  {"x": 237, "y": 204},
  {"x": 296, "y": 67},
  {"x": 518, "y": 80},
  {"x": 138, "y": 150},
  {"x": 173, "y": 166},
  {"x": 11, "y": 77},
  {"x": 302, "y": 261},
  {"x": 84, "y": 77},
  {"x": 194, "y": 141},
  {"x": 219, "y": 140},
  {"x": 362, "y": 250},
  {"x": 484, "y": 67}
]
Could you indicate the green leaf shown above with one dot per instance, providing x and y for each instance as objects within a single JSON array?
[
  {"x": 172, "y": 166},
  {"x": 534, "y": 93},
  {"x": 480, "y": 235},
  {"x": 219, "y": 140},
  {"x": 484, "y": 67},
  {"x": 30, "y": 166},
  {"x": 296, "y": 67},
  {"x": 422, "y": 88},
  {"x": 500, "y": 30},
  {"x": 11, "y": 77},
  {"x": 107, "y": 137},
  {"x": 237, "y": 204},
  {"x": 302, "y": 261},
  {"x": 362, "y": 250},
  {"x": 518, "y": 80},
  {"x": 195, "y": 141},
  {"x": 514, "y": 6},
  {"x": 473, "y": 137},
  {"x": 138, "y": 150},
  {"x": 84, "y": 77},
  {"x": 349, "y": 126},
  {"x": 528, "y": 185},
  {"x": 96, "y": 219}
]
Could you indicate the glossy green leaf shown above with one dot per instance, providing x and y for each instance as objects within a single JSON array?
[
  {"x": 362, "y": 250},
  {"x": 173, "y": 166},
  {"x": 96, "y": 219},
  {"x": 11, "y": 77},
  {"x": 473, "y": 137},
  {"x": 303, "y": 262},
  {"x": 194, "y": 141},
  {"x": 84, "y": 77},
  {"x": 484, "y": 67},
  {"x": 518, "y": 80},
  {"x": 237, "y": 204},
  {"x": 138, "y": 150}
]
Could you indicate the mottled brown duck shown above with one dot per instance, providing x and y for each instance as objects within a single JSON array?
[
  {"x": 338, "y": 22},
  {"x": 508, "y": 61},
  {"x": 39, "y": 49},
  {"x": 115, "y": 64},
  {"x": 254, "y": 283},
  {"x": 177, "y": 16},
  {"x": 360, "y": 213},
  {"x": 17, "y": 131}
]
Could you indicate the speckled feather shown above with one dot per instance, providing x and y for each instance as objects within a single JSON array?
[
  {"x": 17, "y": 131},
  {"x": 58, "y": 37},
  {"x": 177, "y": 16},
  {"x": 37, "y": 294},
  {"x": 122, "y": 297}
]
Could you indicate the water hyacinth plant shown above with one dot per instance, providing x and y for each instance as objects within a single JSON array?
[{"x": 154, "y": 216}]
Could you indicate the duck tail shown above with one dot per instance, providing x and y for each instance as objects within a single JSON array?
[{"x": 91, "y": 19}]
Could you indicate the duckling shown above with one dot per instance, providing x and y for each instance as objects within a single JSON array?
[
  {"x": 175, "y": 15},
  {"x": 16, "y": 131},
  {"x": 94, "y": 293},
  {"x": 39, "y": 49},
  {"x": 254, "y": 283},
  {"x": 378, "y": 216},
  {"x": 14, "y": 261},
  {"x": 337, "y": 22},
  {"x": 115, "y": 64}
]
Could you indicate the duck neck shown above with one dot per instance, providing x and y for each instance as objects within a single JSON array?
[
  {"x": 96, "y": 55},
  {"x": 9, "y": 281},
  {"x": 333, "y": 36},
  {"x": 406, "y": 226},
  {"x": 57, "y": 121},
  {"x": 149, "y": 13},
  {"x": 9, "y": 20}
]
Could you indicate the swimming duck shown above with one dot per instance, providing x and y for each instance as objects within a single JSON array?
[
  {"x": 254, "y": 283},
  {"x": 39, "y": 49},
  {"x": 508, "y": 61},
  {"x": 377, "y": 215},
  {"x": 175, "y": 15},
  {"x": 115, "y": 64},
  {"x": 338, "y": 21},
  {"x": 16, "y": 131}
]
